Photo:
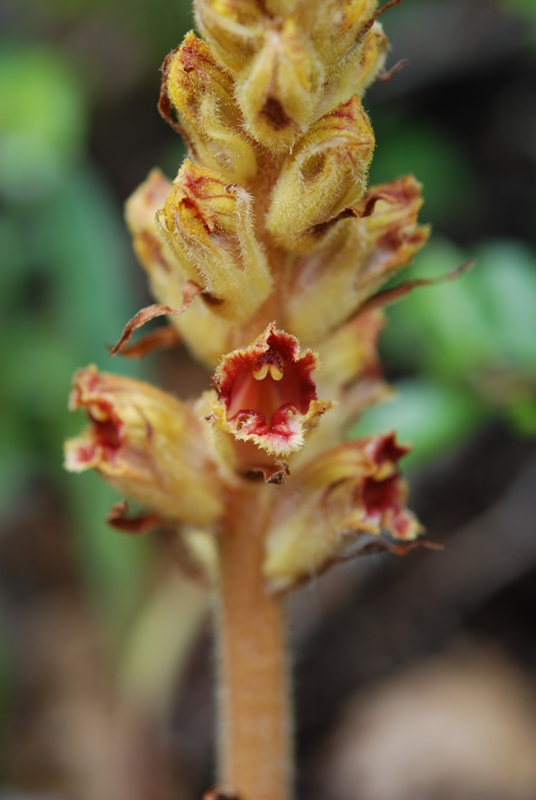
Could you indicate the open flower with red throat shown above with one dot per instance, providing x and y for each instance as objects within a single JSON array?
[
  {"x": 349, "y": 492},
  {"x": 147, "y": 444},
  {"x": 266, "y": 394}
]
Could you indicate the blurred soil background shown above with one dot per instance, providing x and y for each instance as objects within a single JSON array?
[{"x": 415, "y": 678}]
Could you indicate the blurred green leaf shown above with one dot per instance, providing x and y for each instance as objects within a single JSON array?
[
  {"x": 87, "y": 251},
  {"x": 442, "y": 328},
  {"x": 522, "y": 415},
  {"x": 13, "y": 264},
  {"x": 506, "y": 291},
  {"x": 42, "y": 121}
]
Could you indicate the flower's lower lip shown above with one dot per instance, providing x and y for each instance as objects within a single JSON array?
[{"x": 258, "y": 424}]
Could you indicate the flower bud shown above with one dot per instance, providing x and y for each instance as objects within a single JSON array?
[
  {"x": 202, "y": 94},
  {"x": 279, "y": 91},
  {"x": 329, "y": 285},
  {"x": 343, "y": 495},
  {"x": 335, "y": 27},
  {"x": 207, "y": 334},
  {"x": 356, "y": 74},
  {"x": 267, "y": 395},
  {"x": 326, "y": 173},
  {"x": 234, "y": 29},
  {"x": 147, "y": 445},
  {"x": 353, "y": 72},
  {"x": 166, "y": 274},
  {"x": 372, "y": 57},
  {"x": 208, "y": 225}
]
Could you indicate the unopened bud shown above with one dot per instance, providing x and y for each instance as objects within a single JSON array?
[
  {"x": 335, "y": 28},
  {"x": 356, "y": 74},
  {"x": 201, "y": 92},
  {"x": 166, "y": 275},
  {"x": 372, "y": 57},
  {"x": 325, "y": 174},
  {"x": 208, "y": 224},
  {"x": 234, "y": 29},
  {"x": 279, "y": 91},
  {"x": 329, "y": 285},
  {"x": 206, "y": 332}
]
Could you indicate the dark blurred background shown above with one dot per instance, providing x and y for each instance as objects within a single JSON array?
[{"x": 415, "y": 677}]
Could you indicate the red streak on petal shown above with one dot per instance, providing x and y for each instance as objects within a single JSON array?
[{"x": 84, "y": 454}]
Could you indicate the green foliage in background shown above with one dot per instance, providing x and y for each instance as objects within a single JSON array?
[
  {"x": 65, "y": 293},
  {"x": 472, "y": 343}
]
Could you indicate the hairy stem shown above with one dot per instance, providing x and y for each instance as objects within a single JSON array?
[{"x": 255, "y": 751}]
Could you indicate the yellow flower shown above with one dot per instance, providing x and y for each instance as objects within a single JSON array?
[
  {"x": 147, "y": 445},
  {"x": 279, "y": 92},
  {"x": 208, "y": 224},
  {"x": 347, "y": 493},
  {"x": 328, "y": 286}
]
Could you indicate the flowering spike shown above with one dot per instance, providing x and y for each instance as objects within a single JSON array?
[
  {"x": 345, "y": 494},
  {"x": 267, "y": 395},
  {"x": 208, "y": 225},
  {"x": 327, "y": 171},
  {"x": 147, "y": 445},
  {"x": 268, "y": 219},
  {"x": 201, "y": 92}
]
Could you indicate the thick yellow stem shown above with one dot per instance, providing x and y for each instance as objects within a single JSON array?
[{"x": 255, "y": 751}]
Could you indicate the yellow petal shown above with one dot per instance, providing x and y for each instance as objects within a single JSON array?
[
  {"x": 147, "y": 445},
  {"x": 278, "y": 92},
  {"x": 209, "y": 225},
  {"x": 352, "y": 491},
  {"x": 326, "y": 172},
  {"x": 201, "y": 92}
]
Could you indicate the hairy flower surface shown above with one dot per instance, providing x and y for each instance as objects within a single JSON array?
[
  {"x": 328, "y": 286},
  {"x": 146, "y": 444},
  {"x": 343, "y": 495},
  {"x": 201, "y": 92},
  {"x": 208, "y": 224},
  {"x": 327, "y": 170}
]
